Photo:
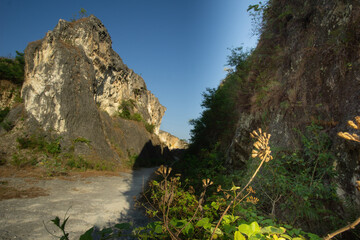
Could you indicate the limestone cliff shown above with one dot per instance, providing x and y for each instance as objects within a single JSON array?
[
  {"x": 171, "y": 141},
  {"x": 108, "y": 80},
  {"x": 74, "y": 85}
]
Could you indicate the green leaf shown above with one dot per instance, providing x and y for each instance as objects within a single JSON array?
[
  {"x": 229, "y": 229},
  {"x": 313, "y": 236},
  {"x": 254, "y": 226},
  {"x": 258, "y": 236},
  {"x": 228, "y": 219},
  {"x": 215, "y": 205},
  {"x": 217, "y": 231},
  {"x": 87, "y": 235},
  {"x": 244, "y": 228},
  {"x": 188, "y": 229},
  {"x": 239, "y": 236},
  {"x": 56, "y": 221},
  {"x": 106, "y": 231},
  {"x": 285, "y": 236},
  {"x": 272, "y": 230},
  {"x": 234, "y": 188},
  {"x": 202, "y": 222},
  {"x": 64, "y": 223},
  {"x": 288, "y": 226},
  {"x": 158, "y": 229}
]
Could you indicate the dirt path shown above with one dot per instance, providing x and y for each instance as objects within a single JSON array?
[{"x": 99, "y": 201}]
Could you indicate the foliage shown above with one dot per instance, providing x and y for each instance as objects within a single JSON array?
[
  {"x": 7, "y": 125},
  {"x": 52, "y": 165},
  {"x": 81, "y": 14},
  {"x": 61, "y": 226},
  {"x": 216, "y": 124},
  {"x": 238, "y": 58},
  {"x": 13, "y": 69},
  {"x": 182, "y": 214},
  {"x": 256, "y": 12},
  {"x": 126, "y": 108},
  {"x": 20, "y": 161},
  {"x": 126, "y": 111},
  {"x": 78, "y": 162},
  {"x": 150, "y": 127},
  {"x": 3, "y": 113},
  {"x": 301, "y": 181},
  {"x": 82, "y": 140},
  {"x": 39, "y": 143}
]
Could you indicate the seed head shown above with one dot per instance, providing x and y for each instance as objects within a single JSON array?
[
  {"x": 207, "y": 182},
  {"x": 163, "y": 171},
  {"x": 262, "y": 148}
]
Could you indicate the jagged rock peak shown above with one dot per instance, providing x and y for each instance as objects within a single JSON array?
[{"x": 110, "y": 81}]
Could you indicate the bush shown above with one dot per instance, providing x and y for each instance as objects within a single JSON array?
[
  {"x": 3, "y": 113},
  {"x": 40, "y": 144},
  {"x": 21, "y": 161},
  {"x": 79, "y": 162},
  {"x": 150, "y": 127},
  {"x": 303, "y": 182},
  {"x": 126, "y": 108},
  {"x": 136, "y": 117},
  {"x": 13, "y": 69},
  {"x": 82, "y": 140}
]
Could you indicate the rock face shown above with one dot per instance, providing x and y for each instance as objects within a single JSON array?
[
  {"x": 309, "y": 71},
  {"x": 74, "y": 85},
  {"x": 171, "y": 141},
  {"x": 108, "y": 80}
]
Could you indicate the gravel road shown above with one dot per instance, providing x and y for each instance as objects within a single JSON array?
[{"x": 92, "y": 201}]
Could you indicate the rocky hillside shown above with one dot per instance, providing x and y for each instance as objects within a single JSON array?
[
  {"x": 306, "y": 70},
  {"x": 78, "y": 90},
  {"x": 300, "y": 84}
]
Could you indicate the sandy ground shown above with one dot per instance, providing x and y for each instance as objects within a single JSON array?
[{"x": 91, "y": 201}]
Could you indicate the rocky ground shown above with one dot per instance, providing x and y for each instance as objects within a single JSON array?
[{"x": 27, "y": 203}]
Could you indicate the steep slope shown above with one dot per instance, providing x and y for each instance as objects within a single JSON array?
[
  {"x": 305, "y": 69},
  {"x": 301, "y": 84}
]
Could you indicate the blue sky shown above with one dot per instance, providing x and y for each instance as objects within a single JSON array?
[{"x": 179, "y": 47}]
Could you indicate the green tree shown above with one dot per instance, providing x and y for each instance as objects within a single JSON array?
[{"x": 13, "y": 69}]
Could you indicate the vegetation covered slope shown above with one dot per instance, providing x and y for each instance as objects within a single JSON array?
[{"x": 301, "y": 85}]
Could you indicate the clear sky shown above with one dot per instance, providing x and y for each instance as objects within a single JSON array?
[{"x": 179, "y": 47}]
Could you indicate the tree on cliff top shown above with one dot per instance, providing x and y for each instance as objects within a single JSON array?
[{"x": 13, "y": 69}]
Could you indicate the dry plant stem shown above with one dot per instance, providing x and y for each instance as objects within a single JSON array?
[
  {"x": 228, "y": 207},
  {"x": 341, "y": 230},
  {"x": 241, "y": 199}
]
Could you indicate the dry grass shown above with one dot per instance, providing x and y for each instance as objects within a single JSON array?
[{"x": 7, "y": 192}]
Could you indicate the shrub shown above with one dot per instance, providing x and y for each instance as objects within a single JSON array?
[
  {"x": 82, "y": 140},
  {"x": 40, "y": 144},
  {"x": 150, "y": 127},
  {"x": 136, "y": 117},
  {"x": 79, "y": 162},
  {"x": 7, "y": 125},
  {"x": 20, "y": 161},
  {"x": 126, "y": 108},
  {"x": 3, "y": 113},
  {"x": 13, "y": 69}
]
